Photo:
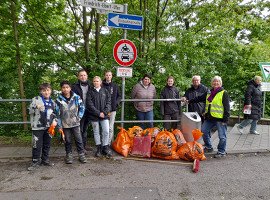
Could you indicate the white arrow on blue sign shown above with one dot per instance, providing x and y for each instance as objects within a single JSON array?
[{"x": 133, "y": 22}]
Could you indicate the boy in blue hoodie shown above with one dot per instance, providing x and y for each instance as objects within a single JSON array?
[
  {"x": 70, "y": 110},
  {"x": 42, "y": 116}
]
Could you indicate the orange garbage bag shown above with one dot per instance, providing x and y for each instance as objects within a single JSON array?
[
  {"x": 153, "y": 132},
  {"x": 132, "y": 132},
  {"x": 179, "y": 137},
  {"x": 122, "y": 143},
  {"x": 191, "y": 151},
  {"x": 196, "y": 134},
  {"x": 165, "y": 146}
]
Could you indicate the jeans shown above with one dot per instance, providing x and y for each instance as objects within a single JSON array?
[
  {"x": 246, "y": 122},
  {"x": 75, "y": 131},
  {"x": 41, "y": 143},
  {"x": 105, "y": 132},
  {"x": 222, "y": 135},
  {"x": 146, "y": 116},
  {"x": 83, "y": 126},
  {"x": 111, "y": 130},
  {"x": 173, "y": 125}
]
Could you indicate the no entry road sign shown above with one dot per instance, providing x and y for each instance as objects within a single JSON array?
[{"x": 125, "y": 52}]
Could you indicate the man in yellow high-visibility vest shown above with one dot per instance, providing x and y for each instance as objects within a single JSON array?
[{"x": 217, "y": 113}]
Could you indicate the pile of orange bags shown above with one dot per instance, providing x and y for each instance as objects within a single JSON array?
[{"x": 164, "y": 144}]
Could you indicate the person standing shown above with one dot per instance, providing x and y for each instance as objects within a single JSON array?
[
  {"x": 70, "y": 110},
  {"x": 196, "y": 89},
  {"x": 115, "y": 93},
  {"x": 42, "y": 115},
  {"x": 217, "y": 113},
  {"x": 253, "y": 101},
  {"x": 99, "y": 106},
  {"x": 144, "y": 90},
  {"x": 81, "y": 88},
  {"x": 170, "y": 110}
]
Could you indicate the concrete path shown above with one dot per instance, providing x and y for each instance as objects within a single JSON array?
[{"x": 236, "y": 143}]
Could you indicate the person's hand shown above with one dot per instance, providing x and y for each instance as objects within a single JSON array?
[
  {"x": 184, "y": 99},
  {"x": 62, "y": 134},
  {"x": 40, "y": 107},
  {"x": 101, "y": 115}
]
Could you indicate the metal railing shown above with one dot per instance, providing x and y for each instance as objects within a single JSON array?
[{"x": 14, "y": 100}]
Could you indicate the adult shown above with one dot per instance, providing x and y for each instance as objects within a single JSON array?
[
  {"x": 253, "y": 101},
  {"x": 170, "y": 110},
  {"x": 99, "y": 106},
  {"x": 81, "y": 88},
  {"x": 217, "y": 113},
  {"x": 196, "y": 89},
  {"x": 144, "y": 90},
  {"x": 115, "y": 93}
]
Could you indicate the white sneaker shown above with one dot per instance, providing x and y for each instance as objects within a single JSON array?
[
  {"x": 241, "y": 130},
  {"x": 255, "y": 132}
]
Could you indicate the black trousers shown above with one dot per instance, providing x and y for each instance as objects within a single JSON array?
[
  {"x": 41, "y": 144},
  {"x": 171, "y": 125},
  {"x": 76, "y": 133},
  {"x": 84, "y": 123}
]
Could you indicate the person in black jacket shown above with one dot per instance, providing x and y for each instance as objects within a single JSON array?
[
  {"x": 253, "y": 101},
  {"x": 81, "y": 88},
  {"x": 170, "y": 110},
  {"x": 98, "y": 104},
  {"x": 196, "y": 90},
  {"x": 115, "y": 93},
  {"x": 217, "y": 113}
]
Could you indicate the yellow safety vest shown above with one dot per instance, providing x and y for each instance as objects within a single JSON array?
[{"x": 217, "y": 108}]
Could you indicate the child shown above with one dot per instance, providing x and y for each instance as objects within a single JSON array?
[
  {"x": 42, "y": 115},
  {"x": 70, "y": 110}
]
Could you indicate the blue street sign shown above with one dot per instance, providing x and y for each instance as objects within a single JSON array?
[{"x": 133, "y": 22}]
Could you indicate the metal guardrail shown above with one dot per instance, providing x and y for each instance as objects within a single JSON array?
[{"x": 14, "y": 100}]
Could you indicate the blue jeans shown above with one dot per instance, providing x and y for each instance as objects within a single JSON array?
[
  {"x": 222, "y": 134},
  {"x": 246, "y": 122},
  {"x": 146, "y": 116},
  {"x": 75, "y": 131},
  {"x": 105, "y": 132}
]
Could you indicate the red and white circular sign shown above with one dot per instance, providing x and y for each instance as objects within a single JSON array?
[{"x": 125, "y": 52}]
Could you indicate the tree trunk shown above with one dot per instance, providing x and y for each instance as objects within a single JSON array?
[
  {"x": 18, "y": 60},
  {"x": 97, "y": 35},
  {"x": 85, "y": 36},
  {"x": 157, "y": 23}
]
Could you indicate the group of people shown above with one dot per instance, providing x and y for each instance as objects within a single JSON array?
[
  {"x": 83, "y": 103},
  {"x": 75, "y": 108}
]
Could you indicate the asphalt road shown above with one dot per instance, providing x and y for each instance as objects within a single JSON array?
[{"x": 235, "y": 177}]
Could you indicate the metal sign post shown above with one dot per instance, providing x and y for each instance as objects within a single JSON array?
[{"x": 123, "y": 78}]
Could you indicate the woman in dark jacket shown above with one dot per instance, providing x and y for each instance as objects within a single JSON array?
[
  {"x": 170, "y": 110},
  {"x": 253, "y": 102},
  {"x": 98, "y": 104}
]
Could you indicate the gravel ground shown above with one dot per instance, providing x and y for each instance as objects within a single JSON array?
[{"x": 235, "y": 177}]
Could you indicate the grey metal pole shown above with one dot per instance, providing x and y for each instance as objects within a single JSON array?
[
  {"x": 264, "y": 97},
  {"x": 123, "y": 78}
]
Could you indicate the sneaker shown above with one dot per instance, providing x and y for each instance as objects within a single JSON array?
[
  {"x": 82, "y": 158},
  {"x": 69, "y": 158},
  {"x": 240, "y": 130},
  {"x": 106, "y": 151},
  {"x": 207, "y": 150},
  {"x": 254, "y": 132},
  {"x": 220, "y": 155},
  {"x": 47, "y": 163},
  {"x": 33, "y": 166},
  {"x": 98, "y": 153}
]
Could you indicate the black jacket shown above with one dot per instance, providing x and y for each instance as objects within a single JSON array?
[
  {"x": 225, "y": 103},
  {"x": 115, "y": 93},
  {"x": 97, "y": 102},
  {"x": 191, "y": 93},
  {"x": 253, "y": 97},
  {"x": 170, "y": 107},
  {"x": 78, "y": 90}
]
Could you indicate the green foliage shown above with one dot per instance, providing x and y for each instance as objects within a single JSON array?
[{"x": 225, "y": 38}]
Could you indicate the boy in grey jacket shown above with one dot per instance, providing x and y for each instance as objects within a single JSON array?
[{"x": 42, "y": 115}]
